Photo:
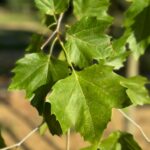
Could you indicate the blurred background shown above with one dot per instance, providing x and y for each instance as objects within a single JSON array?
[{"x": 19, "y": 19}]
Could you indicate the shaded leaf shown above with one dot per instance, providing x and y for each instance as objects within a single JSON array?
[
  {"x": 87, "y": 41},
  {"x": 51, "y": 121},
  {"x": 119, "y": 141},
  {"x": 38, "y": 99},
  {"x": 136, "y": 90},
  {"x": 137, "y": 23},
  {"x": 52, "y": 7},
  {"x": 35, "y": 70},
  {"x": 93, "y": 147},
  {"x": 35, "y": 45},
  {"x": 85, "y": 99},
  {"x": 134, "y": 9}
]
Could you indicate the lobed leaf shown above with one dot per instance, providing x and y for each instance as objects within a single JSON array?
[
  {"x": 35, "y": 70},
  {"x": 86, "y": 40},
  {"x": 85, "y": 99},
  {"x": 136, "y": 90}
]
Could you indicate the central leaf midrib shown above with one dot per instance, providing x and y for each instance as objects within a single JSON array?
[
  {"x": 84, "y": 30},
  {"x": 77, "y": 80}
]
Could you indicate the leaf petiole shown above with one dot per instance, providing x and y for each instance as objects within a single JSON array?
[{"x": 55, "y": 32}]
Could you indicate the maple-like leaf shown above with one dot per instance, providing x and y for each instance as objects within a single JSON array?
[
  {"x": 86, "y": 40},
  {"x": 85, "y": 99},
  {"x": 35, "y": 70}
]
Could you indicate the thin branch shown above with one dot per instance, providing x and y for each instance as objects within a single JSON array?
[
  {"x": 48, "y": 40},
  {"x": 52, "y": 46},
  {"x": 22, "y": 141},
  {"x": 54, "y": 32},
  {"x": 59, "y": 22},
  {"x": 68, "y": 140},
  {"x": 135, "y": 124}
]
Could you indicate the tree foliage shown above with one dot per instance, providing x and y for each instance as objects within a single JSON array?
[{"x": 80, "y": 91}]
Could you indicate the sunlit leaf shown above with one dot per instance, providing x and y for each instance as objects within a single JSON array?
[
  {"x": 87, "y": 41},
  {"x": 136, "y": 90},
  {"x": 35, "y": 70},
  {"x": 82, "y": 99}
]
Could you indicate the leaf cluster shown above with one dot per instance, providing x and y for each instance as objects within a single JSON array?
[{"x": 79, "y": 88}]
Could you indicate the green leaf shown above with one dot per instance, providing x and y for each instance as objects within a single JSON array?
[
  {"x": 87, "y": 41},
  {"x": 85, "y": 99},
  {"x": 2, "y": 142},
  {"x": 52, "y": 7},
  {"x": 119, "y": 141},
  {"x": 137, "y": 23},
  {"x": 134, "y": 9},
  {"x": 35, "y": 45},
  {"x": 136, "y": 90},
  {"x": 35, "y": 70},
  {"x": 38, "y": 99},
  {"x": 51, "y": 121},
  {"x": 119, "y": 55},
  {"x": 92, "y": 8}
]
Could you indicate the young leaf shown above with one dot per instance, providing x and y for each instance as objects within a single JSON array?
[
  {"x": 87, "y": 41},
  {"x": 91, "y": 8},
  {"x": 35, "y": 70},
  {"x": 136, "y": 90},
  {"x": 85, "y": 99},
  {"x": 52, "y": 7},
  {"x": 119, "y": 141}
]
